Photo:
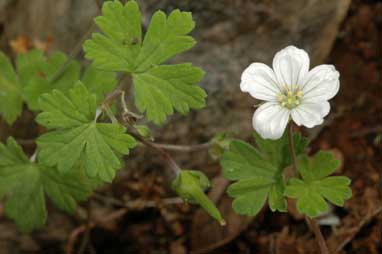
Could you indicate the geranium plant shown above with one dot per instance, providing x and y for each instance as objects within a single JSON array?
[
  {"x": 89, "y": 127},
  {"x": 291, "y": 93},
  {"x": 86, "y": 138}
]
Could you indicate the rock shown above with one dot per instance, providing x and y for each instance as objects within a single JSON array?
[{"x": 66, "y": 21}]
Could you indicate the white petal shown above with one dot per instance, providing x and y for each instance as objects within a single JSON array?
[
  {"x": 310, "y": 114},
  {"x": 321, "y": 84},
  {"x": 270, "y": 120},
  {"x": 291, "y": 65},
  {"x": 260, "y": 81}
]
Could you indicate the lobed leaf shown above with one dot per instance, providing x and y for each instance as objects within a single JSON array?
[
  {"x": 23, "y": 185},
  {"x": 37, "y": 74},
  {"x": 76, "y": 136},
  {"x": 258, "y": 173},
  {"x": 317, "y": 186},
  {"x": 167, "y": 87},
  {"x": 159, "y": 89},
  {"x": 11, "y": 101}
]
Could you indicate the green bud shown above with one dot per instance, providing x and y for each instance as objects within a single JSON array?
[
  {"x": 190, "y": 186},
  {"x": 143, "y": 130},
  {"x": 219, "y": 143}
]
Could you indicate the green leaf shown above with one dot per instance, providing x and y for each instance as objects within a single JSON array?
[
  {"x": 190, "y": 186},
  {"x": 38, "y": 74},
  {"x": 77, "y": 137},
  {"x": 165, "y": 38},
  {"x": 167, "y": 87},
  {"x": 56, "y": 72},
  {"x": 159, "y": 89},
  {"x": 258, "y": 173},
  {"x": 23, "y": 184},
  {"x": 42, "y": 78},
  {"x": 277, "y": 151},
  {"x": 317, "y": 186},
  {"x": 118, "y": 47},
  {"x": 99, "y": 82},
  {"x": 10, "y": 91}
]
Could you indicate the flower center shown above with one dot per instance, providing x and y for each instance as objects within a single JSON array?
[{"x": 290, "y": 99}]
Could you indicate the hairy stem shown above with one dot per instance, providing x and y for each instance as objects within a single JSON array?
[
  {"x": 311, "y": 222},
  {"x": 73, "y": 53},
  {"x": 167, "y": 157},
  {"x": 184, "y": 148},
  {"x": 317, "y": 232},
  {"x": 291, "y": 148}
]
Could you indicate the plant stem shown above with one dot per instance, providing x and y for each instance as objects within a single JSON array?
[
  {"x": 291, "y": 149},
  {"x": 73, "y": 53},
  {"x": 184, "y": 148},
  {"x": 311, "y": 222},
  {"x": 167, "y": 157},
  {"x": 317, "y": 232}
]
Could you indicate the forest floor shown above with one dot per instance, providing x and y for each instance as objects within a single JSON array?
[{"x": 141, "y": 216}]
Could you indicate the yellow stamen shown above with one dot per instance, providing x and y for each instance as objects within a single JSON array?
[{"x": 290, "y": 97}]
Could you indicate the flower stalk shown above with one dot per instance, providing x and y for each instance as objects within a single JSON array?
[{"x": 310, "y": 221}]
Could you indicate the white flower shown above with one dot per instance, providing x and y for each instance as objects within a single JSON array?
[{"x": 290, "y": 91}]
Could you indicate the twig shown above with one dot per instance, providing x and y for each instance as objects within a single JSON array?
[
  {"x": 311, "y": 222},
  {"x": 366, "y": 131},
  {"x": 81, "y": 229},
  {"x": 134, "y": 204},
  {"x": 361, "y": 224}
]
